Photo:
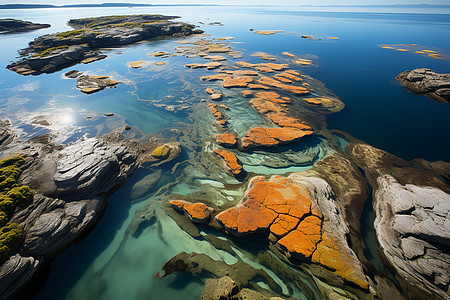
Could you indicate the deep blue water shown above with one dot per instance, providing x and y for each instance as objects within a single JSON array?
[{"x": 109, "y": 263}]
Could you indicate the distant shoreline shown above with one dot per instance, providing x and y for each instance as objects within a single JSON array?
[{"x": 33, "y": 6}]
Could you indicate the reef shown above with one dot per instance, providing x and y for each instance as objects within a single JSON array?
[
  {"x": 13, "y": 25},
  {"x": 426, "y": 82},
  {"x": 53, "y": 52}
]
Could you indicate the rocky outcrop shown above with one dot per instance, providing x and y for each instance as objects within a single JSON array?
[
  {"x": 71, "y": 185},
  {"x": 301, "y": 219},
  {"x": 411, "y": 202},
  {"x": 427, "y": 82},
  {"x": 13, "y": 25},
  {"x": 413, "y": 229},
  {"x": 15, "y": 273},
  {"x": 91, "y": 84},
  {"x": 54, "y": 52}
]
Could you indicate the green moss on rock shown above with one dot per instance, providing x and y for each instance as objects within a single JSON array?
[
  {"x": 70, "y": 33},
  {"x": 20, "y": 194},
  {"x": 49, "y": 51},
  {"x": 10, "y": 236}
]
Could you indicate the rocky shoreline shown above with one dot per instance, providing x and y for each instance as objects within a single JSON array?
[
  {"x": 54, "y": 52},
  {"x": 70, "y": 187},
  {"x": 13, "y": 25}
]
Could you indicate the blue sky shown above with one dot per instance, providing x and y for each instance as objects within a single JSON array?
[{"x": 234, "y": 2}]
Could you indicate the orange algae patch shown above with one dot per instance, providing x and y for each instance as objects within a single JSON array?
[
  {"x": 160, "y": 63},
  {"x": 402, "y": 50},
  {"x": 420, "y": 52},
  {"x": 231, "y": 161},
  {"x": 293, "y": 72},
  {"x": 333, "y": 38},
  {"x": 264, "y": 69},
  {"x": 247, "y": 93},
  {"x": 435, "y": 56},
  {"x": 283, "y": 79},
  {"x": 429, "y": 51},
  {"x": 303, "y": 62},
  {"x": 254, "y": 86},
  {"x": 387, "y": 47}
]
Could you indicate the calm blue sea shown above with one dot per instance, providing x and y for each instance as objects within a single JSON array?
[{"x": 111, "y": 264}]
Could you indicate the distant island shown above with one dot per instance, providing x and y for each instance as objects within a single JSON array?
[{"x": 28, "y": 6}]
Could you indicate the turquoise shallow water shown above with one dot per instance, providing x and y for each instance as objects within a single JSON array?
[{"x": 112, "y": 264}]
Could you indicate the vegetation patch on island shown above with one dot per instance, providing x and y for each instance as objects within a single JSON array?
[{"x": 54, "y": 52}]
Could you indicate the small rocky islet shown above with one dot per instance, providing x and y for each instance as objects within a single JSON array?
[{"x": 307, "y": 221}]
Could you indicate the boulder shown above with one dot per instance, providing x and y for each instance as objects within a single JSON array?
[{"x": 427, "y": 82}]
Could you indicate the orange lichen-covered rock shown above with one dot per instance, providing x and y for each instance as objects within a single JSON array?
[
  {"x": 273, "y": 66},
  {"x": 231, "y": 161},
  {"x": 244, "y": 64},
  {"x": 209, "y": 66},
  {"x": 298, "y": 244},
  {"x": 216, "y": 97},
  {"x": 260, "y": 137},
  {"x": 254, "y": 86},
  {"x": 227, "y": 140},
  {"x": 247, "y": 93},
  {"x": 290, "y": 76},
  {"x": 230, "y": 82},
  {"x": 293, "y": 72},
  {"x": 278, "y": 203},
  {"x": 337, "y": 256},
  {"x": 283, "y": 224},
  {"x": 198, "y": 212},
  {"x": 283, "y": 79},
  {"x": 214, "y": 77},
  {"x": 209, "y": 91},
  {"x": 313, "y": 101},
  {"x": 243, "y": 73},
  {"x": 263, "y": 106},
  {"x": 179, "y": 205},
  {"x": 288, "y": 54},
  {"x": 298, "y": 90},
  {"x": 285, "y": 121},
  {"x": 264, "y": 69}
]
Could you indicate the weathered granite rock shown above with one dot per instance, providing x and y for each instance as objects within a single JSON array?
[
  {"x": 6, "y": 134},
  {"x": 91, "y": 168},
  {"x": 412, "y": 217},
  {"x": 413, "y": 229},
  {"x": 53, "y": 52},
  {"x": 15, "y": 273},
  {"x": 13, "y": 25},
  {"x": 427, "y": 82}
]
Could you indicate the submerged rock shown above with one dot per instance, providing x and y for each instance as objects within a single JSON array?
[{"x": 427, "y": 82}]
